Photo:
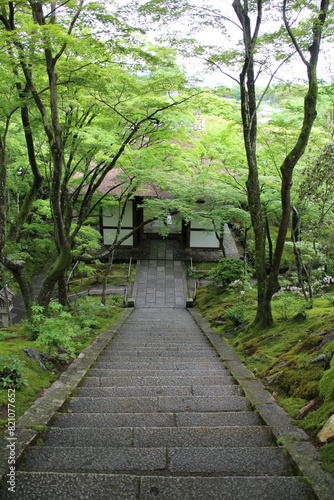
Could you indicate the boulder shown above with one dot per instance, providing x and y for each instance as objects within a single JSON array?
[
  {"x": 327, "y": 431},
  {"x": 33, "y": 354}
]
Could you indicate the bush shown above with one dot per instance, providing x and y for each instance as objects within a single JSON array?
[
  {"x": 11, "y": 368},
  {"x": 56, "y": 331},
  {"x": 227, "y": 270},
  {"x": 236, "y": 314},
  {"x": 326, "y": 385}
]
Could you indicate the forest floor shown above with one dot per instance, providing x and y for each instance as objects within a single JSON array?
[{"x": 293, "y": 359}]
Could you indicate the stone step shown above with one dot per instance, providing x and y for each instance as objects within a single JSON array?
[
  {"x": 168, "y": 419},
  {"x": 239, "y": 461},
  {"x": 160, "y": 343},
  {"x": 92, "y": 486},
  {"x": 110, "y": 392},
  {"x": 156, "y": 351},
  {"x": 157, "y": 404},
  {"x": 107, "y": 372},
  {"x": 109, "y": 364},
  {"x": 159, "y": 359},
  {"x": 104, "y": 379},
  {"x": 149, "y": 372},
  {"x": 144, "y": 356},
  {"x": 225, "y": 488},
  {"x": 157, "y": 437}
]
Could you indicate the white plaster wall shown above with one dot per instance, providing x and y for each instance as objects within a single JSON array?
[
  {"x": 109, "y": 235},
  {"x": 203, "y": 239},
  {"x": 110, "y": 216}
]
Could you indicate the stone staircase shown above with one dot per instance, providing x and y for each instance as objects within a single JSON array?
[{"x": 158, "y": 417}]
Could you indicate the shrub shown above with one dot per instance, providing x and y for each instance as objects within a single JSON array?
[
  {"x": 327, "y": 457},
  {"x": 236, "y": 314},
  {"x": 326, "y": 385},
  {"x": 59, "y": 330},
  {"x": 227, "y": 270},
  {"x": 11, "y": 368}
]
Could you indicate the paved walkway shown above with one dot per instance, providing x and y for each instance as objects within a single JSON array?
[
  {"x": 161, "y": 280},
  {"x": 158, "y": 417}
]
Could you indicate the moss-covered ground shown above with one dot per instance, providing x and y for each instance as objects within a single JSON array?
[
  {"x": 14, "y": 339},
  {"x": 294, "y": 358}
]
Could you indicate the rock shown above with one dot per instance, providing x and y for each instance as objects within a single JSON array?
[
  {"x": 131, "y": 302},
  {"x": 325, "y": 332},
  {"x": 281, "y": 364},
  {"x": 328, "y": 337},
  {"x": 327, "y": 431},
  {"x": 34, "y": 355},
  {"x": 301, "y": 316},
  {"x": 321, "y": 359},
  {"x": 48, "y": 357},
  {"x": 312, "y": 405},
  {"x": 271, "y": 378},
  {"x": 62, "y": 350},
  {"x": 217, "y": 322}
]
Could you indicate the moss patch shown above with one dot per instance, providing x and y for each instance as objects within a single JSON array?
[
  {"x": 291, "y": 358},
  {"x": 327, "y": 457},
  {"x": 38, "y": 379}
]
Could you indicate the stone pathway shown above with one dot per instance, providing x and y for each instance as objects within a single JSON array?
[
  {"x": 158, "y": 417},
  {"x": 161, "y": 280}
]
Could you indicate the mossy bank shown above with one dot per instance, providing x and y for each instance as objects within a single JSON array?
[{"x": 294, "y": 359}]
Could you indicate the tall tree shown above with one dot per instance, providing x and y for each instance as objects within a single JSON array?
[
  {"x": 255, "y": 56},
  {"x": 89, "y": 100}
]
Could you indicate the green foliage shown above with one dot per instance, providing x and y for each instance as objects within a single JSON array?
[
  {"x": 37, "y": 379},
  {"x": 289, "y": 302},
  {"x": 327, "y": 457},
  {"x": 11, "y": 372},
  {"x": 302, "y": 383},
  {"x": 236, "y": 313},
  {"x": 226, "y": 271},
  {"x": 60, "y": 330},
  {"x": 56, "y": 331},
  {"x": 326, "y": 386},
  {"x": 281, "y": 355},
  {"x": 85, "y": 270},
  {"x": 88, "y": 310},
  {"x": 88, "y": 241}
]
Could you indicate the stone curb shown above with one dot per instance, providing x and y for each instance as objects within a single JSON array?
[
  {"x": 135, "y": 283},
  {"x": 293, "y": 439},
  {"x": 43, "y": 409}
]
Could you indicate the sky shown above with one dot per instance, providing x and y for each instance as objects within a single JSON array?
[
  {"x": 295, "y": 70},
  {"x": 195, "y": 68}
]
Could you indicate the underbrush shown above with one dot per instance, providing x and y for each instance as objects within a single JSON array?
[
  {"x": 294, "y": 359},
  {"x": 88, "y": 276},
  {"x": 59, "y": 337}
]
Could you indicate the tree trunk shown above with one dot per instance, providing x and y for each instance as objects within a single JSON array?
[
  {"x": 62, "y": 291},
  {"x": 55, "y": 274},
  {"x": 249, "y": 120},
  {"x": 105, "y": 278},
  {"x": 269, "y": 285}
]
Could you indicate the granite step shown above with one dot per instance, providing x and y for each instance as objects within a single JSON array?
[
  {"x": 158, "y": 418},
  {"x": 105, "y": 380},
  {"x": 149, "y": 372},
  {"x": 134, "y": 358},
  {"x": 153, "y": 437},
  {"x": 114, "y": 373},
  {"x": 166, "y": 419},
  {"x": 146, "y": 391},
  {"x": 162, "y": 353},
  {"x": 157, "y": 404},
  {"x": 185, "y": 460},
  {"x": 92, "y": 486},
  {"x": 159, "y": 365}
]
